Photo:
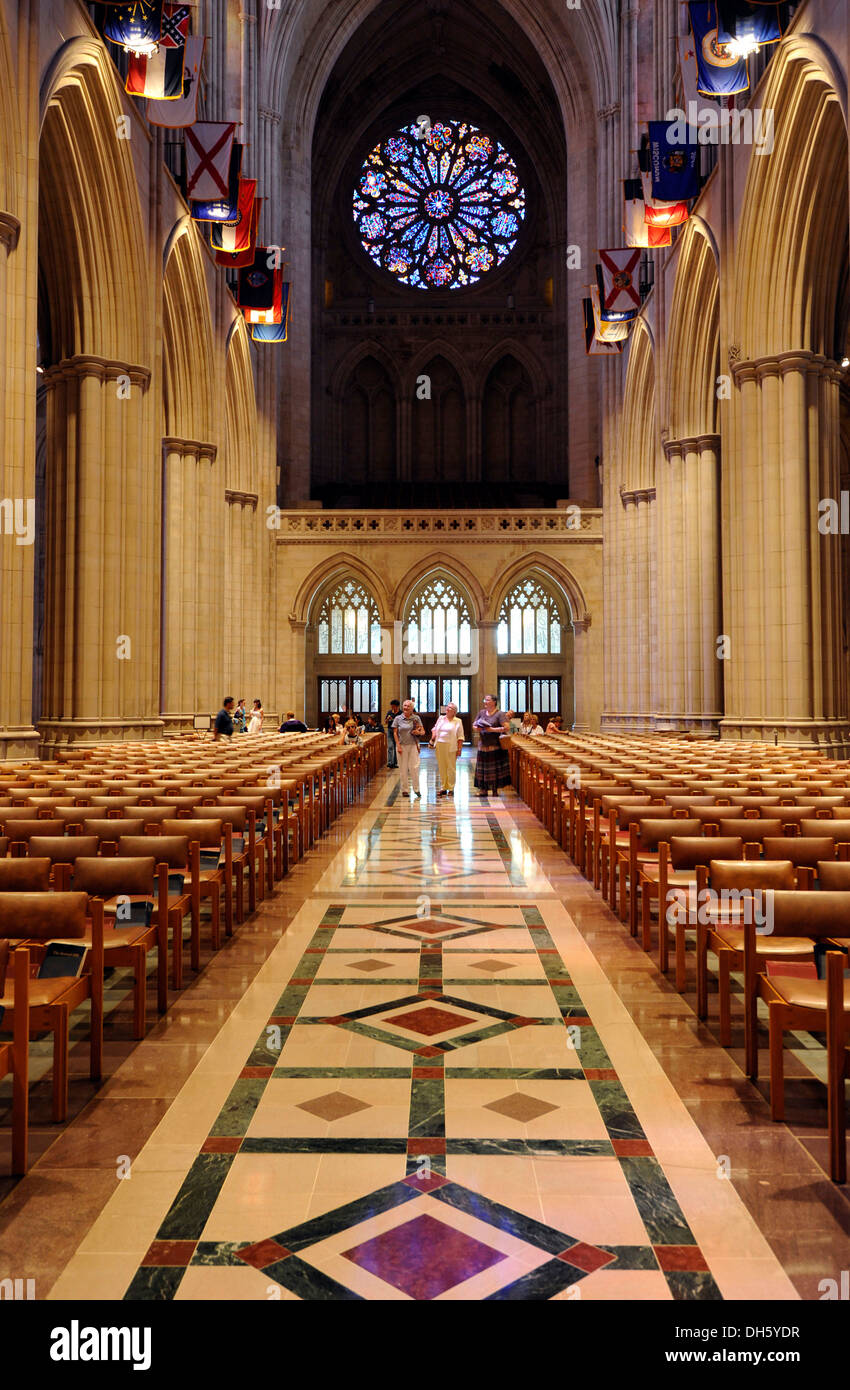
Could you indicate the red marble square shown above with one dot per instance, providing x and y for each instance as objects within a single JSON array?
[
  {"x": 425, "y": 1184},
  {"x": 428, "y": 1073},
  {"x": 427, "y": 1021},
  {"x": 295, "y": 981},
  {"x": 599, "y": 1074},
  {"x": 632, "y": 1148},
  {"x": 255, "y": 1073},
  {"x": 282, "y": 1018},
  {"x": 423, "y": 1145},
  {"x": 429, "y": 1052},
  {"x": 222, "y": 1144},
  {"x": 678, "y": 1257},
  {"x": 587, "y": 1257},
  {"x": 577, "y": 1021},
  {"x": 561, "y": 980},
  {"x": 263, "y": 1253},
  {"x": 170, "y": 1252},
  {"x": 424, "y": 1257}
]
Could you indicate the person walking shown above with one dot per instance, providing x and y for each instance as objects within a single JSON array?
[
  {"x": 492, "y": 765},
  {"x": 255, "y": 723},
  {"x": 447, "y": 739},
  {"x": 407, "y": 729},
  {"x": 223, "y": 727},
  {"x": 392, "y": 756}
]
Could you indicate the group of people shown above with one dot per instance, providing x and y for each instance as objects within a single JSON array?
[
  {"x": 406, "y": 732},
  {"x": 531, "y": 726},
  {"x": 238, "y": 720}
]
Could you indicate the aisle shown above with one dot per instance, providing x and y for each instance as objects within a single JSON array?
[{"x": 430, "y": 1090}]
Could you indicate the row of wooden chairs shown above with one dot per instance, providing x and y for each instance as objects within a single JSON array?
[
  {"x": 111, "y": 849},
  {"x": 703, "y": 859}
]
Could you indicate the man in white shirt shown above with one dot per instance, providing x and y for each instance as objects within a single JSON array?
[{"x": 447, "y": 738}]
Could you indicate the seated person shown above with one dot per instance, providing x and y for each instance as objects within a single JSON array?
[
  {"x": 554, "y": 725},
  {"x": 372, "y": 726},
  {"x": 291, "y": 725},
  {"x": 514, "y": 721},
  {"x": 350, "y": 733},
  {"x": 528, "y": 722}
]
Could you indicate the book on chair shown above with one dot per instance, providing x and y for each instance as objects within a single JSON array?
[{"x": 62, "y": 958}]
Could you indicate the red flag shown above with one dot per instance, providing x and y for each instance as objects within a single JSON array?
[
  {"x": 237, "y": 259},
  {"x": 236, "y": 236},
  {"x": 275, "y": 313}
]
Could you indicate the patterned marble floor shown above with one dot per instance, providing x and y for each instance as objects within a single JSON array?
[{"x": 429, "y": 1090}]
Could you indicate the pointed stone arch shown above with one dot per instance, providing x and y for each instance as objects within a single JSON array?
[
  {"x": 454, "y": 570},
  {"x": 692, "y": 339},
  {"x": 337, "y": 567},
  {"x": 240, "y": 412},
  {"x": 188, "y": 358},
  {"x": 551, "y": 572}
]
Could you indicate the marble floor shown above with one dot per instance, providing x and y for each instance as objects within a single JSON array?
[{"x": 431, "y": 1066}]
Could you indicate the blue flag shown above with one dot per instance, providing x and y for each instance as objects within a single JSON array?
[
  {"x": 719, "y": 74},
  {"x": 273, "y": 332},
  {"x": 137, "y": 25},
  {"x": 738, "y": 19},
  {"x": 674, "y": 164}
]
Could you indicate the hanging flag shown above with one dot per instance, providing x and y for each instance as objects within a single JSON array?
[
  {"x": 688, "y": 69},
  {"x": 208, "y": 148},
  {"x": 137, "y": 25},
  {"x": 222, "y": 209},
  {"x": 609, "y": 316},
  {"x": 175, "y": 25},
  {"x": 274, "y": 332},
  {"x": 746, "y": 23},
  {"x": 620, "y": 267},
  {"x": 635, "y": 226},
  {"x": 236, "y": 236},
  {"x": 608, "y": 330},
  {"x": 181, "y": 113},
  {"x": 674, "y": 165},
  {"x": 158, "y": 75},
  {"x": 720, "y": 73},
  {"x": 256, "y": 282},
  {"x": 274, "y": 312},
  {"x": 592, "y": 345},
  {"x": 659, "y": 212},
  {"x": 236, "y": 260}
]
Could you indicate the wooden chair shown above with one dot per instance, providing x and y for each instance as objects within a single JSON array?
[
  {"x": 41, "y": 918},
  {"x": 752, "y": 831},
  {"x": 838, "y": 1061},
  {"x": 126, "y": 884},
  {"x": 182, "y": 866},
  {"x": 110, "y": 829},
  {"x": 804, "y": 852},
  {"x": 20, "y": 833},
  {"x": 62, "y": 851},
  {"x": 645, "y": 836},
  {"x": 795, "y": 1000},
  {"x": 14, "y": 1055},
  {"x": 676, "y": 879},
  {"x": 205, "y": 836},
  {"x": 243, "y": 854},
  {"x": 723, "y": 931},
  {"x": 24, "y": 875}
]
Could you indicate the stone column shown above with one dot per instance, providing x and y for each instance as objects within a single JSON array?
[
  {"x": 784, "y": 674},
  {"x": 194, "y": 581},
  {"x": 488, "y": 662},
  {"x": 18, "y": 739},
  {"x": 392, "y": 646},
  {"x": 295, "y": 694},
  {"x": 580, "y": 665},
  {"x": 102, "y": 582}
]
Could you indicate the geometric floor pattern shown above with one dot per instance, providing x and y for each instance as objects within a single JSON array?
[{"x": 430, "y": 1099}]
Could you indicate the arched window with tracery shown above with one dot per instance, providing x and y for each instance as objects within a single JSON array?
[
  {"x": 530, "y": 621},
  {"x": 438, "y": 621},
  {"x": 348, "y": 622}
]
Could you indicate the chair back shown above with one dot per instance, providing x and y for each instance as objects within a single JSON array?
[
  {"x": 113, "y": 829},
  {"x": 687, "y": 851},
  {"x": 750, "y": 831},
  {"x": 802, "y": 850},
  {"x": 651, "y": 831},
  {"x": 25, "y": 829},
  {"x": 810, "y": 913},
  {"x": 24, "y": 875},
  {"x": 172, "y": 850},
  {"x": 43, "y": 916},
  {"x": 104, "y": 878},
  {"x": 204, "y": 832},
  {"x": 833, "y": 875},
  {"x": 752, "y": 873}
]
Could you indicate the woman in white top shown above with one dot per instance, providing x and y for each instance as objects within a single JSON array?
[
  {"x": 447, "y": 738},
  {"x": 255, "y": 723}
]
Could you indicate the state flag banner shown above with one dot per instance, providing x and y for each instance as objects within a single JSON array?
[
  {"x": 635, "y": 226},
  {"x": 719, "y": 72},
  {"x": 605, "y": 330},
  {"x": 175, "y": 25},
  {"x": 609, "y": 316},
  {"x": 688, "y": 70},
  {"x": 256, "y": 289},
  {"x": 674, "y": 165},
  {"x": 236, "y": 236},
  {"x": 658, "y": 212},
  {"x": 159, "y": 76},
  {"x": 209, "y": 145},
  {"x": 274, "y": 313},
  {"x": 620, "y": 268},
  {"x": 137, "y": 26},
  {"x": 748, "y": 23},
  {"x": 177, "y": 114},
  {"x": 274, "y": 332},
  {"x": 222, "y": 209},
  {"x": 592, "y": 346},
  {"x": 236, "y": 260}
]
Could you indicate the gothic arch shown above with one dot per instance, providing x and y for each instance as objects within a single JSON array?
[
  {"x": 240, "y": 412},
  {"x": 792, "y": 240},
  {"x": 639, "y": 430},
  {"x": 438, "y": 347},
  {"x": 551, "y": 572},
  {"x": 338, "y": 566},
  {"x": 366, "y": 347},
  {"x": 513, "y": 348},
  {"x": 188, "y": 379},
  {"x": 692, "y": 341},
  {"x": 454, "y": 570}
]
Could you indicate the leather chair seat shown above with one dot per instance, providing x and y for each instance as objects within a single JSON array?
[{"x": 805, "y": 993}]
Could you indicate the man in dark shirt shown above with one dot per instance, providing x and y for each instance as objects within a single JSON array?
[
  {"x": 291, "y": 725},
  {"x": 392, "y": 755},
  {"x": 223, "y": 726},
  {"x": 372, "y": 726}
]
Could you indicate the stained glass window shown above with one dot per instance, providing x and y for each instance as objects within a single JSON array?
[
  {"x": 348, "y": 622},
  {"x": 438, "y": 623},
  {"x": 439, "y": 211},
  {"x": 529, "y": 623}
]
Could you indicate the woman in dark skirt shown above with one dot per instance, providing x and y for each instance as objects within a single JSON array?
[{"x": 492, "y": 766}]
